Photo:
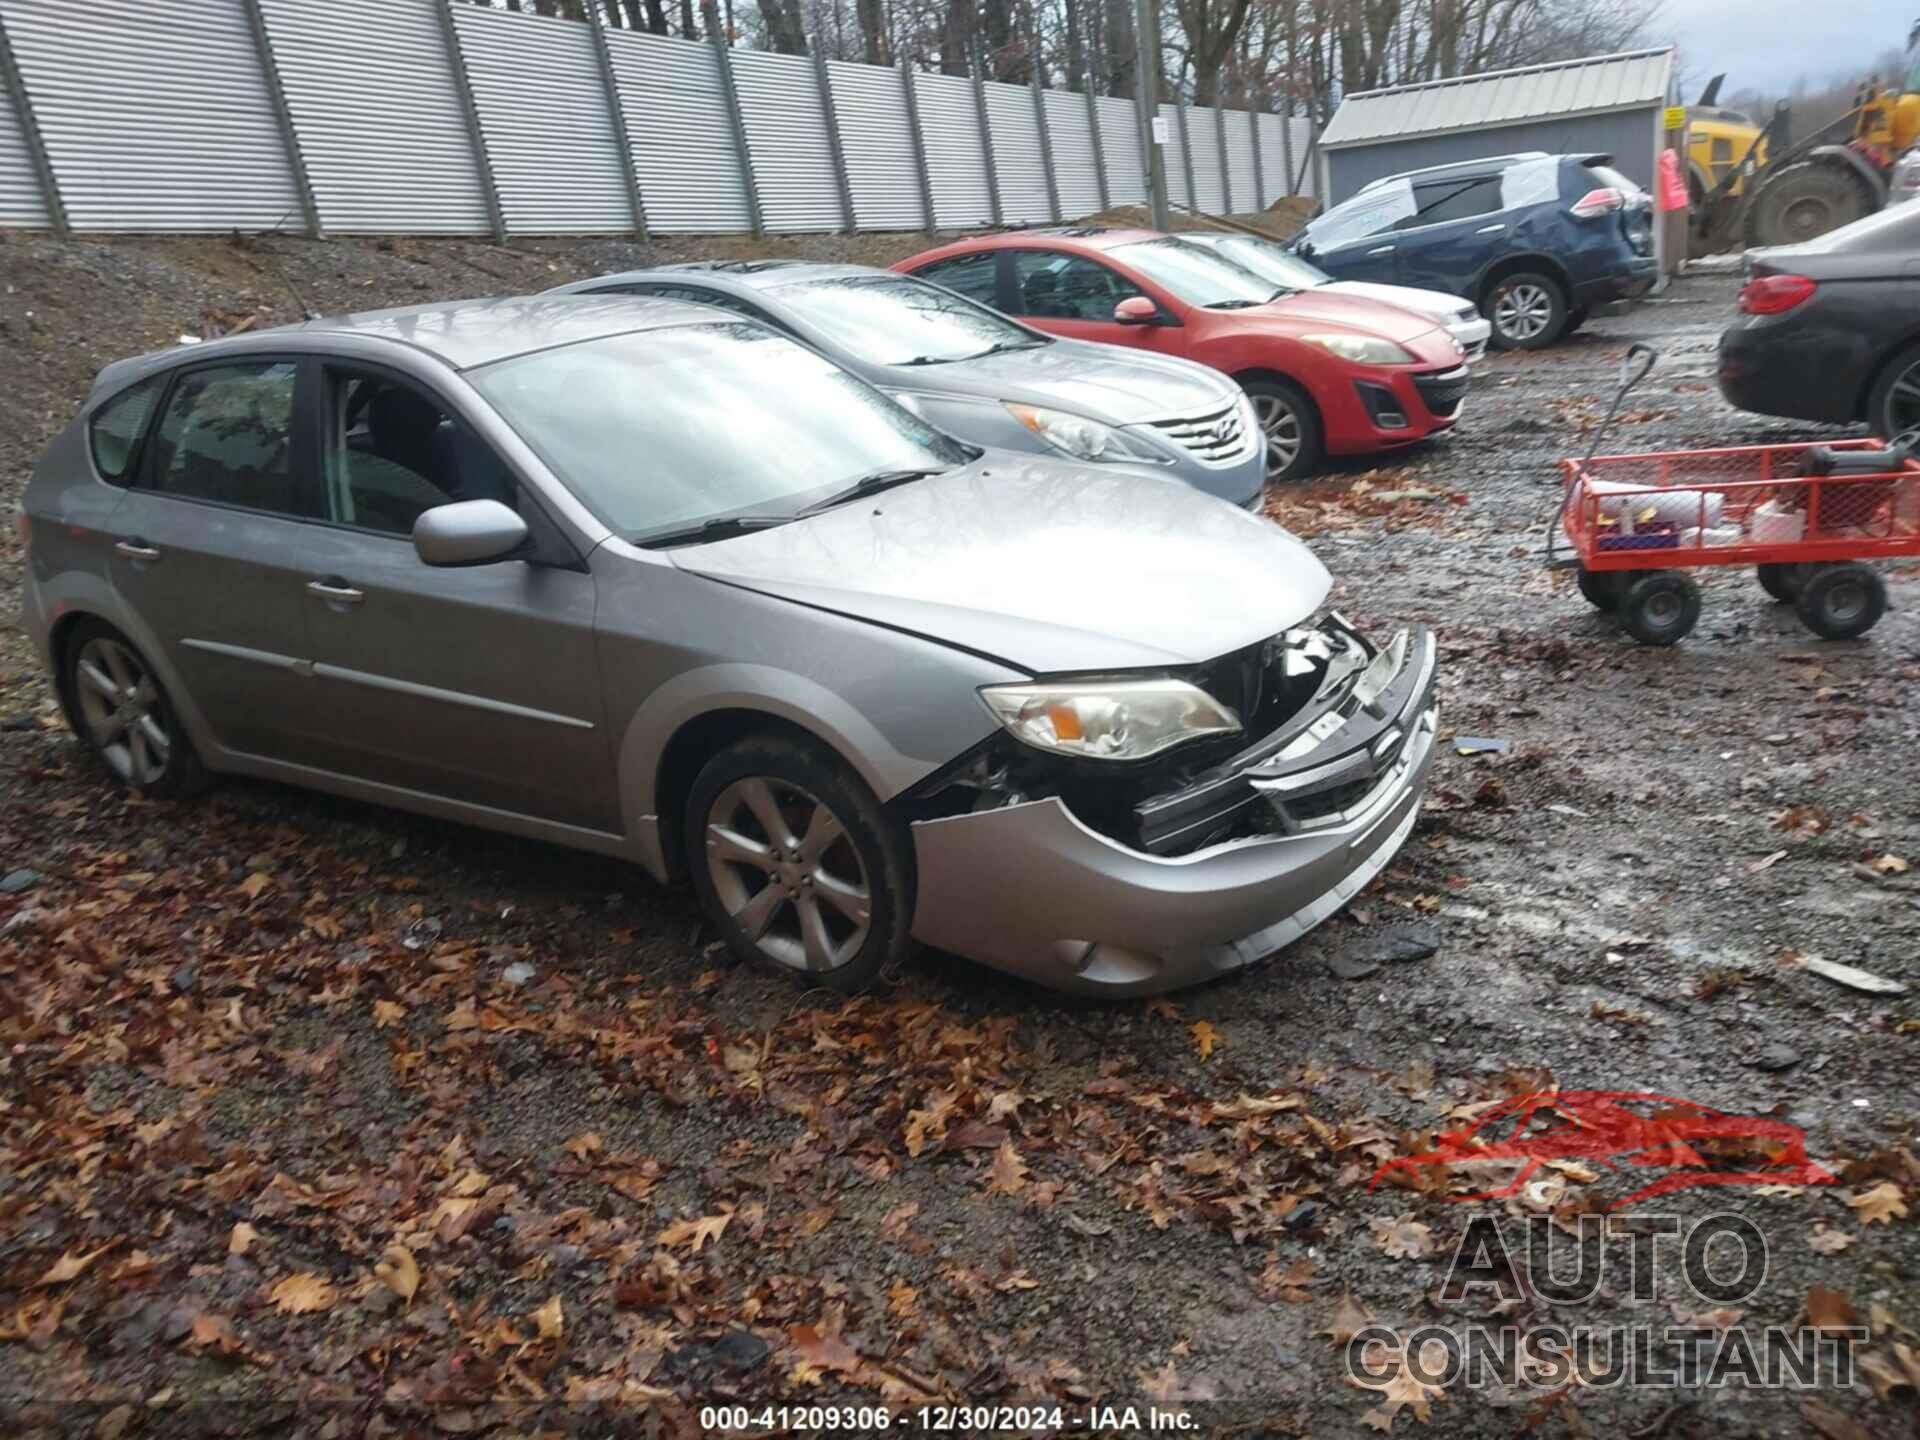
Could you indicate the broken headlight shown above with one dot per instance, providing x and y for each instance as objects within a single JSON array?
[{"x": 1116, "y": 720}]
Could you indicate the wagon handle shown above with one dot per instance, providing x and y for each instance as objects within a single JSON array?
[{"x": 1634, "y": 367}]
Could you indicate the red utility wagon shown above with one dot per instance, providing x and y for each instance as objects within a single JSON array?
[{"x": 1805, "y": 516}]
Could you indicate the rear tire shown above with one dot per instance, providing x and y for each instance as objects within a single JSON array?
[
  {"x": 1893, "y": 410},
  {"x": 1804, "y": 200},
  {"x": 1842, "y": 602},
  {"x": 1782, "y": 582},
  {"x": 1528, "y": 310},
  {"x": 1660, "y": 607},
  {"x": 124, "y": 715},
  {"x": 797, "y": 865},
  {"x": 1291, "y": 425},
  {"x": 1600, "y": 587}
]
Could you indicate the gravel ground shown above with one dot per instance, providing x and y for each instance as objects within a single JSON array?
[{"x": 320, "y": 1022}]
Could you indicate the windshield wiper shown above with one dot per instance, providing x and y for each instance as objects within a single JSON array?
[
  {"x": 1279, "y": 294},
  {"x": 872, "y": 483},
  {"x": 723, "y": 527},
  {"x": 999, "y": 348}
]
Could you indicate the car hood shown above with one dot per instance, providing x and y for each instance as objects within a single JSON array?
[
  {"x": 1047, "y": 566},
  {"x": 1436, "y": 303},
  {"x": 1103, "y": 382},
  {"x": 1323, "y": 305}
]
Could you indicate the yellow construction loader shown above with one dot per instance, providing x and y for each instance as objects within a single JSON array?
[{"x": 1752, "y": 187}]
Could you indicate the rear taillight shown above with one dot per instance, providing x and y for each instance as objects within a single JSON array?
[
  {"x": 1772, "y": 294},
  {"x": 1599, "y": 202}
]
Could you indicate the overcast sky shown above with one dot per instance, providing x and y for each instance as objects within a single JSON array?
[{"x": 1768, "y": 44}]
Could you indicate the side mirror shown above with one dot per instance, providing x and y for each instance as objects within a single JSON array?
[
  {"x": 468, "y": 532},
  {"x": 1136, "y": 310}
]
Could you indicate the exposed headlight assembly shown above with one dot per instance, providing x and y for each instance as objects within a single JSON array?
[
  {"x": 1117, "y": 720},
  {"x": 1361, "y": 349},
  {"x": 1082, "y": 438}
]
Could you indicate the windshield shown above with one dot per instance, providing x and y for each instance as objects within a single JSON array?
[
  {"x": 1270, "y": 262},
  {"x": 893, "y": 320},
  {"x": 663, "y": 428},
  {"x": 1194, "y": 273}
]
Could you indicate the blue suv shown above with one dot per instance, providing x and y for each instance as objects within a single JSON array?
[{"x": 1535, "y": 240}]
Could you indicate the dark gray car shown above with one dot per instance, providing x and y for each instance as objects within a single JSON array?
[
  {"x": 978, "y": 375},
  {"x": 642, "y": 578}
]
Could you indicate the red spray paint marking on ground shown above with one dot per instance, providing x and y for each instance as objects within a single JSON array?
[{"x": 1596, "y": 1126}]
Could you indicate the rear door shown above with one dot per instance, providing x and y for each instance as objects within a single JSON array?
[
  {"x": 477, "y": 684},
  {"x": 1456, "y": 226},
  {"x": 211, "y": 542}
]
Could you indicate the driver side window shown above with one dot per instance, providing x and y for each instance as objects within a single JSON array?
[
  {"x": 1067, "y": 287},
  {"x": 393, "y": 452}
]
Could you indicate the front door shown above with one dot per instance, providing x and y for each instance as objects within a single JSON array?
[
  {"x": 479, "y": 684},
  {"x": 1446, "y": 243},
  {"x": 211, "y": 544},
  {"x": 1074, "y": 296}
]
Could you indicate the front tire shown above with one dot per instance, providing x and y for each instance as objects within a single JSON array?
[
  {"x": 1528, "y": 311},
  {"x": 1842, "y": 602},
  {"x": 1660, "y": 608},
  {"x": 125, "y": 716},
  {"x": 1291, "y": 425},
  {"x": 1803, "y": 201},
  {"x": 797, "y": 865}
]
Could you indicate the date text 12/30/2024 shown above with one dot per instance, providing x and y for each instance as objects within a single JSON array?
[{"x": 943, "y": 1419}]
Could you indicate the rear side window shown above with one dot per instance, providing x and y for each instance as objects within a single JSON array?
[
  {"x": 1439, "y": 201},
  {"x": 227, "y": 436},
  {"x": 115, "y": 430},
  {"x": 974, "y": 276}
]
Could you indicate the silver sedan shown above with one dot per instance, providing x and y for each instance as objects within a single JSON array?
[{"x": 640, "y": 578}]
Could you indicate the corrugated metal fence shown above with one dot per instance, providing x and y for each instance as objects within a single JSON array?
[{"x": 428, "y": 116}]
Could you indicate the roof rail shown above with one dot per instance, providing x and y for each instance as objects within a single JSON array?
[{"x": 1477, "y": 160}]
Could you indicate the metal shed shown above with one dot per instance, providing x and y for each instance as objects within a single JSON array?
[{"x": 1609, "y": 103}]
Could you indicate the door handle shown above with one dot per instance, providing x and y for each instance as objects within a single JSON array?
[
  {"x": 1489, "y": 229},
  {"x": 1381, "y": 250},
  {"x": 336, "y": 592},
  {"x": 137, "y": 549}
]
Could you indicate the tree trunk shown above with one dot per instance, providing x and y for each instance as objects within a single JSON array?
[
  {"x": 1122, "y": 54},
  {"x": 786, "y": 26},
  {"x": 872, "y": 17}
]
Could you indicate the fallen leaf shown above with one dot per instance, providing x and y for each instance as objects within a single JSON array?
[
  {"x": 1831, "y": 1423},
  {"x": 1350, "y": 1317},
  {"x": 1829, "y": 1242},
  {"x": 1884, "y": 1376},
  {"x": 584, "y": 1144},
  {"x": 694, "y": 1233},
  {"x": 256, "y": 883},
  {"x": 388, "y": 1012},
  {"x": 824, "y": 1352},
  {"x": 303, "y": 1292},
  {"x": 1880, "y": 1205},
  {"x": 1404, "y": 1239},
  {"x": 1009, "y": 1173},
  {"x": 1890, "y": 865},
  {"x": 242, "y": 1238},
  {"x": 549, "y": 1319},
  {"x": 1767, "y": 862},
  {"x": 71, "y": 1266},
  {"x": 900, "y": 1299},
  {"x": 1205, "y": 1037},
  {"x": 1829, "y": 1309},
  {"x": 398, "y": 1271}
]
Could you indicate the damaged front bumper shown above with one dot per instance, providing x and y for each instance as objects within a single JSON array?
[{"x": 1308, "y": 815}]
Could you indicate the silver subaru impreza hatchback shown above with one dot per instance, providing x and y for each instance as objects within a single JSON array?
[{"x": 642, "y": 578}]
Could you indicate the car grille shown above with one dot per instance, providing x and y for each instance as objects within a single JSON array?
[
  {"x": 1216, "y": 437},
  {"x": 1443, "y": 392}
]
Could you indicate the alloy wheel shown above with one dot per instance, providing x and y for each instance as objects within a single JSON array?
[
  {"x": 788, "y": 874},
  {"x": 120, "y": 706},
  {"x": 1523, "y": 312},
  {"x": 1901, "y": 423},
  {"x": 1281, "y": 425},
  {"x": 1846, "y": 602}
]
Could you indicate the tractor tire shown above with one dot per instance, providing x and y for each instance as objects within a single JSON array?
[{"x": 1806, "y": 199}]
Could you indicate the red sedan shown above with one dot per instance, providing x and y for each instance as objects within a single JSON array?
[{"x": 1328, "y": 374}]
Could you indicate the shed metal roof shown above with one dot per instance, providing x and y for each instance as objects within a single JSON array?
[{"x": 1594, "y": 85}]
